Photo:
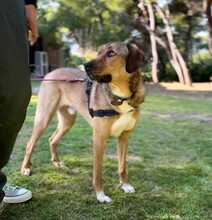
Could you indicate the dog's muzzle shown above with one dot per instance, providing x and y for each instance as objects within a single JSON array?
[
  {"x": 106, "y": 78},
  {"x": 101, "y": 79}
]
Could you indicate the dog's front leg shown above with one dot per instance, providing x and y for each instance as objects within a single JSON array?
[
  {"x": 99, "y": 144},
  {"x": 122, "y": 154}
]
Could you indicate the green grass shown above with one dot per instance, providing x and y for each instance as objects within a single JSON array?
[{"x": 170, "y": 166}]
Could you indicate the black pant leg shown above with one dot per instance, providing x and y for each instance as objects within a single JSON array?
[
  {"x": 15, "y": 90},
  {"x": 3, "y": 181}
]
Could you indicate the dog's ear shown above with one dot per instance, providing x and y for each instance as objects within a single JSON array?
[{"x": 134, "y": 59}]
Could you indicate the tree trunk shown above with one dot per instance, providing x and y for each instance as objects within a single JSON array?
[
  {"x": 172, "y": 45},
  {"x": 209, "y": 17},
  {"x": 153, "y": 44},
  {"x": 177, "y": 59},
  {"x": 187, "y": 77}
]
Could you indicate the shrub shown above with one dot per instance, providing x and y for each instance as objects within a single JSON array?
[
  {"x": 74, "y": 61},
  {"x": 201, "y": 67}
]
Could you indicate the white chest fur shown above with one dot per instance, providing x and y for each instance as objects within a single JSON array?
[{"x": 125, "y": 122}]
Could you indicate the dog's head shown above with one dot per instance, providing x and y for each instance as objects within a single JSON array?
[{"x": 115, "y": 61}]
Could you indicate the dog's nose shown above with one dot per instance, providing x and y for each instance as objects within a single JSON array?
[{"x": 88, "y": 66}]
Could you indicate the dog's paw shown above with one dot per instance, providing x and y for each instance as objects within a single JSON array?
[
  {"x": 26, "y": 172},
  {"x": 58, "y": 164},
  {"x": 101, "y": 197},
  {"x": 127, "y": 188}
]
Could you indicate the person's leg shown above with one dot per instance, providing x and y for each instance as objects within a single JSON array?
[
  {"x": 15, "y": 88},
  {"x": 3, "y": 180}
]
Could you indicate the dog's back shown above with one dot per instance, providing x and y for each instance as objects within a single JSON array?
[{"x": 65, "y": 74}]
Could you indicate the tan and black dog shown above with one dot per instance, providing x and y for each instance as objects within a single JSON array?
[{"x": 109, "y": 102}]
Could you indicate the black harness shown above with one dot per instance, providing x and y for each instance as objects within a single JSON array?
[{"x": 100, "y": 112}]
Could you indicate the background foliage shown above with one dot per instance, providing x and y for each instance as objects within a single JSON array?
[{"x": 91, "y": 23}]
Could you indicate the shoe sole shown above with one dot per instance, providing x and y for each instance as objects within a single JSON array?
[{"x": 18, "y": 199}]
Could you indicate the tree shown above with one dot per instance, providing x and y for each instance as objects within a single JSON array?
[
  {"x": 90, "y": 22},
  {"x": 172, "y": 28},
  {"x": 187, "y": 17},
  {"x": 207, "y": 7},
  {"x": 148, "y": 21}
]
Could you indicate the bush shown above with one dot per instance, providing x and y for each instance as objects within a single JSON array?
[
  {"x": 167, "y": 74},
  {"x": 74, "y": 61},
  {"x": 201, "y": 67},
  {"x": 146, "y": 73}
]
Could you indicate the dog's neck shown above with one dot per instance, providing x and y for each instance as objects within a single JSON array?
[
  {"x": 120, "y": 87},
  {"x": 121, "y": 95}
]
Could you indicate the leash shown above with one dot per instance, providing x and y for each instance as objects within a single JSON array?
[
  {"x": 89, "y": 84},
  {"x": 60, "y": 80}
]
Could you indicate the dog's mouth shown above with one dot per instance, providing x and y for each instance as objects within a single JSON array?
[{"x": 101, "y": 79}]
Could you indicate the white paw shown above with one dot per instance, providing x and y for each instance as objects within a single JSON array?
[
  {"x": 71, "y": 110},
  {"x": 127, "y": 188},
  {"x": 26, "y": 172},
  {"x": 59, "y": 164},
  {"x": 101, "y": 197}
]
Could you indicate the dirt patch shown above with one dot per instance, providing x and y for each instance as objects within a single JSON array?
[
  {"x": 204, "y": 87},
  {"x": 129, "y": 157},
  {"x": 198, "y": 90},
  {"x": 182, "y": 116}
]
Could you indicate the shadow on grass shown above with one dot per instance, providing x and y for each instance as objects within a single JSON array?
[{"x": 161, "y": 193}]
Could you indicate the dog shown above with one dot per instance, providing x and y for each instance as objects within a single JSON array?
[{"x": 108, "y": 95}]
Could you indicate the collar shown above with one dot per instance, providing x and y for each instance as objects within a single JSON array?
[{"x": 115, "y": 99}]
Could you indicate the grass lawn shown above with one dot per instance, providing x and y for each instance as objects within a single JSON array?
[{"x": 170, "y": 165}]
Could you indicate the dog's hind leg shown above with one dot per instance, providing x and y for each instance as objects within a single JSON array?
[
  {"x": 66, "y": 120},
  {"x": 46, "y": 108}
]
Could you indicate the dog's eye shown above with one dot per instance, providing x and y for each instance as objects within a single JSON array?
[{"x": 111, "y": 53}]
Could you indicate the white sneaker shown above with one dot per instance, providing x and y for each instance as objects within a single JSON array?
[{"x": 14, "y": 194}]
